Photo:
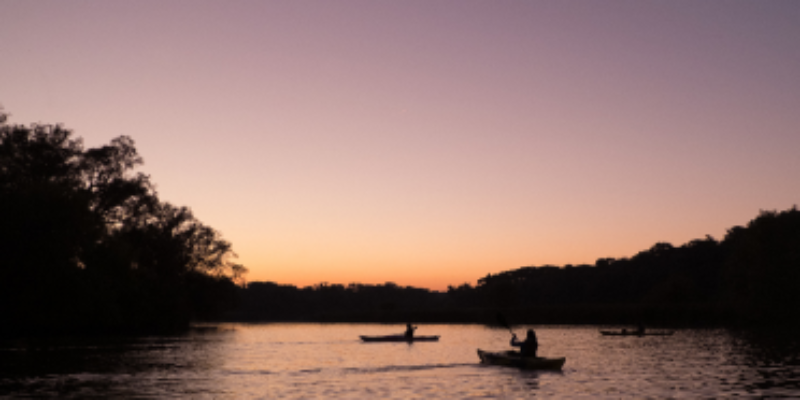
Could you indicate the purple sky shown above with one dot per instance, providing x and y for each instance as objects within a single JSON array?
[{"x": 428, "y": 142}]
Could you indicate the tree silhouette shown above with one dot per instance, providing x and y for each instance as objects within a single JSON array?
[
  {"x": 88, "y": 246},
  {"x": 762, "y": 273}
]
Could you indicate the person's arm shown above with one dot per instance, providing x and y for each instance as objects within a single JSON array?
[{"x": 514, "y": 341}]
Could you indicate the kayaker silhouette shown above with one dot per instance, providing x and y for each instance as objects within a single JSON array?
[
  {"x": 409, "y": 331},
  {"x": 527, "y": 347}
]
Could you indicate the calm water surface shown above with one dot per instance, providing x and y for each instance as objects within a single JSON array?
[{"x": 322, "y": 361}]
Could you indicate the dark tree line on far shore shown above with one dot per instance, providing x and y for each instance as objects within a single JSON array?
[
  {"x": 751, "y": 277},
  {"x": 86, "y": 246}
]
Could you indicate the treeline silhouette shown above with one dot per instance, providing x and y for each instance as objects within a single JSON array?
[
  {"x": 335, "y": 303},
  {"x": 751, "y": 277},
  {"x": 86, "y": 246}
]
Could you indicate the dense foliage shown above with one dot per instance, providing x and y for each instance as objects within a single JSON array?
[
  {"x": 87, "y": 246},
  {"x": 325, "y": 302},
  {"x": 750, "y": 277}
]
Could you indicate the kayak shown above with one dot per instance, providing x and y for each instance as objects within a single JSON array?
[
  {"x": 399, "y": 338},
  {"x": 512, "y": 359},
  {"x": 634, "y": 333}
]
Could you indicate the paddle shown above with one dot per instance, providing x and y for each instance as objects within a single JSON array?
[{"x": 501, "y": 319}]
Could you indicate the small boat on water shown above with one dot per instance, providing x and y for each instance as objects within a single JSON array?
[
  {"x": 513, "y": 359},
  {"x": 400, "y": 338},
  {"x": 636, "y": 333}
]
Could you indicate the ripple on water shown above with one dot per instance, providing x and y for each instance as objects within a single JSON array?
[{"x": 329, "y": 361}]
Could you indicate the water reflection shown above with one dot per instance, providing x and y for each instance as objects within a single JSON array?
[
  {"x": 772, "y": 359},
  {"x": 81, "y": 367},
  {"x": 329, "y": 361}
]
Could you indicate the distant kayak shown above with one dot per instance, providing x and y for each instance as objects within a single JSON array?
[
  {"x": 512, "y": 359},
  {"x": 634, "y": 333},
  {"x": 399, "y": 338}
]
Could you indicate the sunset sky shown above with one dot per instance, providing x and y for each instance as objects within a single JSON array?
[{"x": 428, "y": 143}]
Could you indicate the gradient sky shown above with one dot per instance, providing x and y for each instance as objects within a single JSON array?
[{"x": 428, "y": 143}]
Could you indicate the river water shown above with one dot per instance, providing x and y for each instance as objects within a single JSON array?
[{"x": 328, "y": 361}]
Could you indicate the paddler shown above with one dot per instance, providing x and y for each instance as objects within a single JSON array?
[
  {"x": 527, "y": 347},
  {"x": 409, "y": 331}
]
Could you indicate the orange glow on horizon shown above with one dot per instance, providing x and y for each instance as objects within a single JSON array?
[{"x": 428, "y": 144}]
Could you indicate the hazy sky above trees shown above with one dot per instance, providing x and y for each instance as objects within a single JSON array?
[{"x": 428, "y": 142}]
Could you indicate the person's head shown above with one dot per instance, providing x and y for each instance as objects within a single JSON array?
[{"x": 530, "y": 333}]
